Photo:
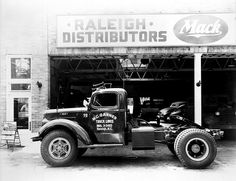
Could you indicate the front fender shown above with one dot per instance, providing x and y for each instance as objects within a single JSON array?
[{"x": 79, "y": 131}]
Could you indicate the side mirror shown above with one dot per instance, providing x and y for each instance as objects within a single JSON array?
[{"x": 85, "y": 103}]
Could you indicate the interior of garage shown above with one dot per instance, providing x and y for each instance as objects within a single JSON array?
[{"x": 165, "y": 78}]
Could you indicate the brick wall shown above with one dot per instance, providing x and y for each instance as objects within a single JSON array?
[{"x": 24, "y": 32}]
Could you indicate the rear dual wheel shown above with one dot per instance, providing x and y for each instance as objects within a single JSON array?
[{"x": 195, "y": 148}]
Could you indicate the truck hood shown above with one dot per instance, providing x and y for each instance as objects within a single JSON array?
[{"x": 77, "y": 109}]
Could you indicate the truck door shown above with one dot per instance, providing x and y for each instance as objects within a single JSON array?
[{"x": 107, "y": 119}]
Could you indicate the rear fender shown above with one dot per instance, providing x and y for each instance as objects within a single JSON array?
[{"x": 78, "y": 131}]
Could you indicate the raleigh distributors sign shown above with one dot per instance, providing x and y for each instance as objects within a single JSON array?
[{"x": 146, "y": 30}]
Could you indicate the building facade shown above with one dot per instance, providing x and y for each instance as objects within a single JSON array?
[{"x": 50, "y": 48}]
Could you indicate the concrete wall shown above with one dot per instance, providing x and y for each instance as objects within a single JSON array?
[{"x": 24, "y": 32}]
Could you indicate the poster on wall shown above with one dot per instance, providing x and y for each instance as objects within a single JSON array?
[{"x": 146, "y": 30}]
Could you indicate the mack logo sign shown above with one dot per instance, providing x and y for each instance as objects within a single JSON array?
[
  {"x": 200, "y": 29},
  {"x": 158, "y": 30}
]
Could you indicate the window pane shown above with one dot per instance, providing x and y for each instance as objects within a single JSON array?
[
  {"x": 20, "y": 68},
  {"x": 108, "y": 99},
  {"x": 21, "y": 112},
  {"x": 20, "y": 86}
]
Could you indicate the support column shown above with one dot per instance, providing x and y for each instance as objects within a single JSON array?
[{"x": 197, "y": 89}]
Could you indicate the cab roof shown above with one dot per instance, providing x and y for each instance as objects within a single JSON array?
[{"x": 118, "y": 90}]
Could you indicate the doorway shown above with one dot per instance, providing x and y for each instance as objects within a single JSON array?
[
  {"x": 18, "y": 97},
  {"x": 19, "y": 110}
]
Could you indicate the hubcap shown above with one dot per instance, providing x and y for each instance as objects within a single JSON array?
[
  {"x": 197, "y": 149},
  {"x": 59, "y": 148}
]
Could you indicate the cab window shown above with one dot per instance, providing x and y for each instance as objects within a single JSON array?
[{"x": 105, "y": 100}]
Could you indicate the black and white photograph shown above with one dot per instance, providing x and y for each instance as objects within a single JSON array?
[{"x": 117, "y": 90}]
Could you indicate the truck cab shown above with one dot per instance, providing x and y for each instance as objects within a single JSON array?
[{"x": 108, "y": 114}]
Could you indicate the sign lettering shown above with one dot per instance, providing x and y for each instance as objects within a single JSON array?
[
  {"x": 104, "y": 121},
  {"x": 146, "y": 30}
]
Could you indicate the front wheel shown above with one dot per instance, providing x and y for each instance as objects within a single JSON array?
[
  {"x": 195, "y": 148},
  {"x": 58, "y": 148}
]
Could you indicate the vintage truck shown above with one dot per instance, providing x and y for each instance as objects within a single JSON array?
[{"x": 67, "y": 133}]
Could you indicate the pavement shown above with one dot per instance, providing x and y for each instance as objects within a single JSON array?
[{"x": 25, "y": 163}]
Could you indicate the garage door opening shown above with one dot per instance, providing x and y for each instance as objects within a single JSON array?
[
  {"x": 164, "y": 78},
  {"x": 219, "y": 91}
]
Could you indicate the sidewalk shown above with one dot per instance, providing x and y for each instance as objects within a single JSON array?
[{"x": 27, "y": 146}]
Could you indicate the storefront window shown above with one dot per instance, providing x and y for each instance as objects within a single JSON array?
[{"x": 20, "y": 68}]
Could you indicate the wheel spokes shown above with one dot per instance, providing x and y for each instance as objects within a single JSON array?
[{"x": 59, "y": 148}]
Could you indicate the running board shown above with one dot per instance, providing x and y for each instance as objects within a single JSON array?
[{"x": 100, "y": 145}]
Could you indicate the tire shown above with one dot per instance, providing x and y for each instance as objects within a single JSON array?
[
  {"x": 171, "y": 148},
  {"x": 195, "y": 148},
  {"x": 58, "y": 148}
]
